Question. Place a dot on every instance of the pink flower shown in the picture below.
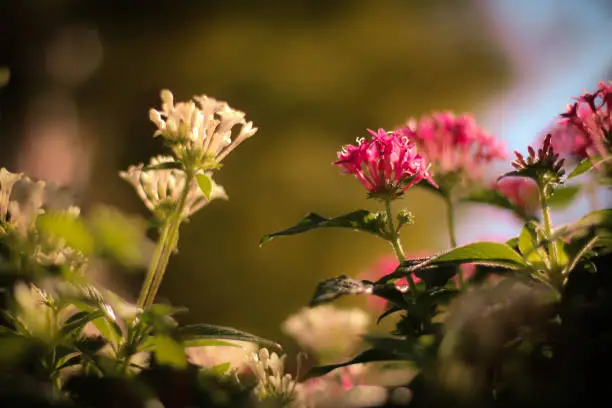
(591, 117)
(454, 145)
(520, 191)
(568, 140)
(386, 165)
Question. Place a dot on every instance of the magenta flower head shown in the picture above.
(456, 147)
(386, 165)
(591, 118)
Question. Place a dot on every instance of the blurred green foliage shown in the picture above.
(312, 76)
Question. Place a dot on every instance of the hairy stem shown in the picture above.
(394, 239)
(165, 247)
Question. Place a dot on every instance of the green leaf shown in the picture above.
(67, 227)
(210, 343)
(169, 351)
(109, 329)
(205, 183)
(388, 312)
(172, 165)
(360, 220)
(77, 321)
(562, 255)
(198, 332)
(106, 324)
(117, 235)
(218, 370)
(563, 196)
(368, 356)
(529, 245)
(68, 361)
(484, 253)
(584, 166)
(167, 310)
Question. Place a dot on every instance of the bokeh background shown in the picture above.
(312, 75)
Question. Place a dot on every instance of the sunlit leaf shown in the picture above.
(584, 166)
(198, 332)
(171, 165)
(360, 220)
(218, 370)
(68, 361)
(167, 310)
(117, 235)
(528, 245)
(205, 183)
(204, 342)
(109, 329)
(563, 196)
(169, 352)
(67, 227)
(485, 253)
(77, 321)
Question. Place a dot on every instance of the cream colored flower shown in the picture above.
(25, 209)
(160, 189)
(209, 356)
(329, 331)
(7, 181)
(200, 130)
(269, 369)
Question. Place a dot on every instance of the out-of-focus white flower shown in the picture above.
(7, 181)
(209, 356)
(269, 369)
(200, 130)
(160, 189)
(54, 251)
(329, 331)
(22, 199)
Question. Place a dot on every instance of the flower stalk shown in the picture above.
(450, 220)
(165, 247)
(552, 246)
(394, 239)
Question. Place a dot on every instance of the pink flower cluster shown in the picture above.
(590, 120)
(520, 191)
(454, 145)
(386, 165)
(568, 141)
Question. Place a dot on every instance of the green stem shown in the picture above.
(146, 286)
(394, 239)
(166, 245)
(450, 219)
(552, 246)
